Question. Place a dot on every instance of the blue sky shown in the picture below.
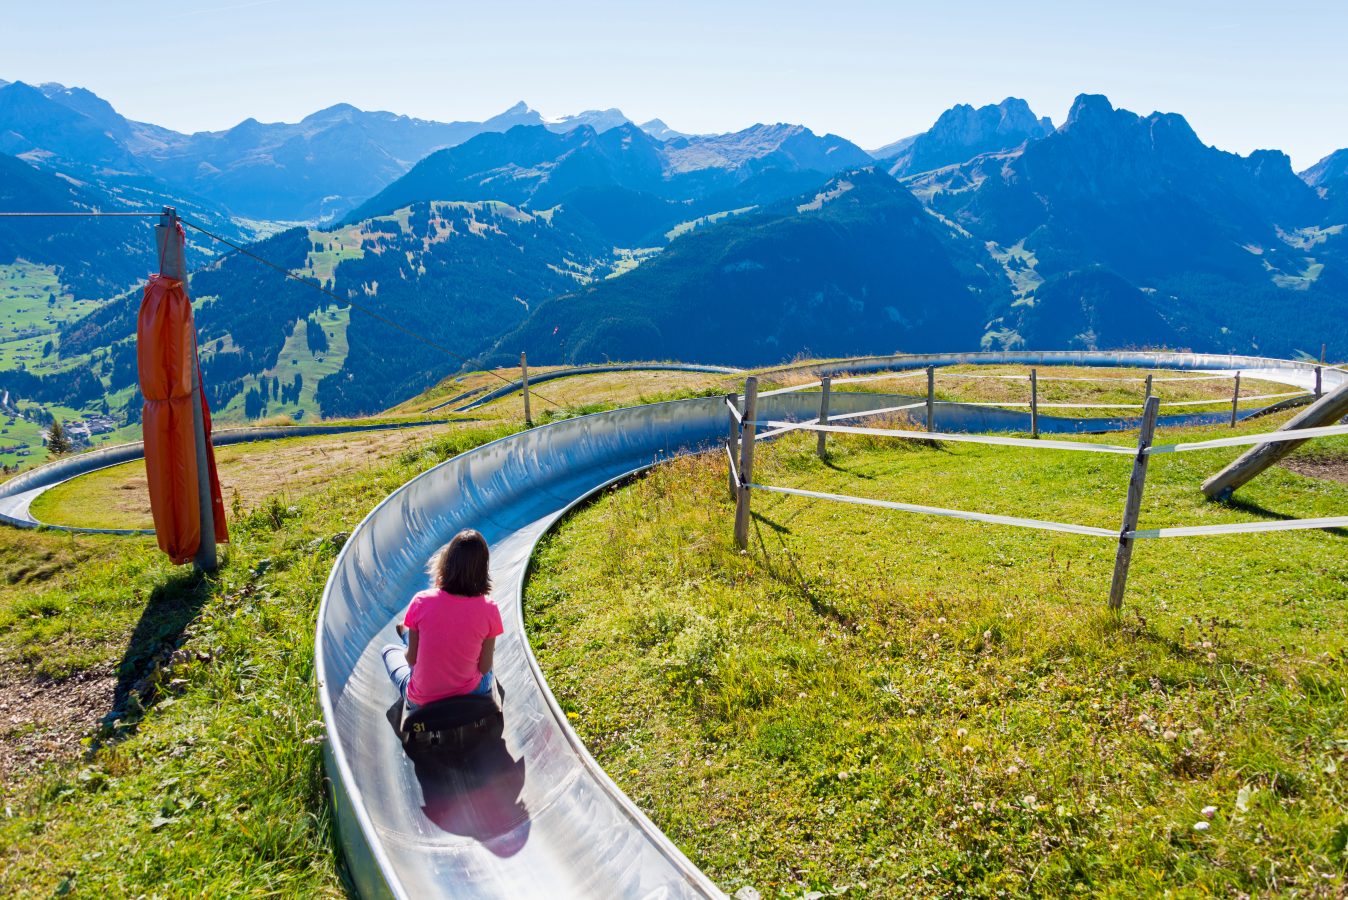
(1247, 75)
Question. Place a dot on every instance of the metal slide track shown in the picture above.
(17, 494)
(472, 400)
(532, 815)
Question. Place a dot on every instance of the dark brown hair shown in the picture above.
(462, 566)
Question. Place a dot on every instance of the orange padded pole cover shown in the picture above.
(166, 356)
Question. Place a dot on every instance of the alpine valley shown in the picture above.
(593, 238)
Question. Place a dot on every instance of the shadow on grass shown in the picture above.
(172, 606)
(829, 463)
(1263, 512)
(794, 578)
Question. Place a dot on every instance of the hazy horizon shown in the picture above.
(1246, 76)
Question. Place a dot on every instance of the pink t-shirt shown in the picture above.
(450, 631)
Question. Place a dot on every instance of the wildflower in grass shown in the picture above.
(1029, 800)
(1169, 735)
(1209, 811)
(1201, 826)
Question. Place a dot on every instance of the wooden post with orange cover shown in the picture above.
(179, 459)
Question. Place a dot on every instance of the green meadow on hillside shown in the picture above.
(33, 306)
(295, 359)
(881, 703)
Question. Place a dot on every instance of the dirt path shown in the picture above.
(42, 721)
(1326, 467)
(118, 497)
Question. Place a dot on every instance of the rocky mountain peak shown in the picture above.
(1094, 110)
(598, 119)
(658, 129)
(336, 112)
(1333, 168)
(963, 132)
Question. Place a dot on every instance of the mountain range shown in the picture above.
(1239, 253)
(644, 185)
(590, 237)
(855, 266)
(317, 168)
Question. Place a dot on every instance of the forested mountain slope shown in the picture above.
(859, 267)
(537, 167)
(456, 273)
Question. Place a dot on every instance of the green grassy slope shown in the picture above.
(882, 704)
(33, 306)
(296, 358)
(204, 778)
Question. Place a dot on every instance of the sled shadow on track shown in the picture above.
(474, 793)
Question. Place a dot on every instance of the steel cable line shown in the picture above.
(83, 214)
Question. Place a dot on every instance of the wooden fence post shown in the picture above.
(524, 377)
(931, 398)
(826, 383)
(733, 443)
(1319, 382)
(1148, 397)
(1235, 401)
(1034, 403)
(747, 430)
(1133, 504)
(1325, 411)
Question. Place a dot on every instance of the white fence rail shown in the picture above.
(744, 426)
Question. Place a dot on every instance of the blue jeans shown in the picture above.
(400, 673)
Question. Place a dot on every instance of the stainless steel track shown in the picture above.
(471, 400)
(17, 494)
